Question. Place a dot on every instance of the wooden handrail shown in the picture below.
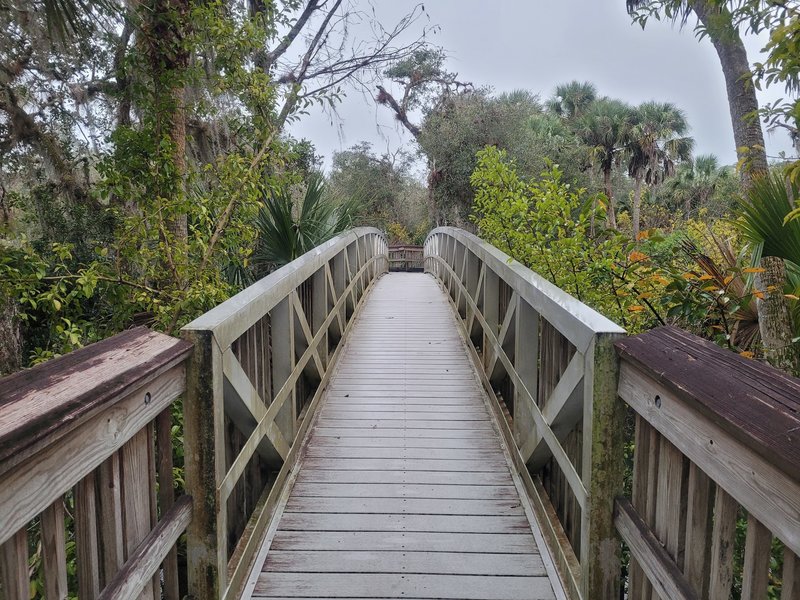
(261, 362)
(92, 427)
(549, 360)
(715, 433)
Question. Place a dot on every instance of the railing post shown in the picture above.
(603, 468)
(204, 462)
(339, 276)
(526, 364)
(283, 362)
(319, 311)
(491, 312)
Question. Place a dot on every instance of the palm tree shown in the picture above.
(287, 229)
(717, 23)
(656, 142)
(604, 127)
(570, 100)
(695, 181)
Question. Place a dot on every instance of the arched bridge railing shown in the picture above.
(260, 363)
(550, 361)
(712, 438)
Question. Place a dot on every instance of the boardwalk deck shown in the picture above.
(404, 489)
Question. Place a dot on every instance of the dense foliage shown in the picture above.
(144, 170)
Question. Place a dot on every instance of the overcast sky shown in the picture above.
(536, 44)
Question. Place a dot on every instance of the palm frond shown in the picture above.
(67, 19)
(762, 215)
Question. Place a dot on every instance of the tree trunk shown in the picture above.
(637, 205)
(10, 337)
(774, 319)
(166, 29)
(742, 101)
(611, 217)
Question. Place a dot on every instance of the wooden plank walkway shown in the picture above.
(404, 489)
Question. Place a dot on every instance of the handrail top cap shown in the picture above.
(522, 279)
(42, 403)
(281, 279)
(756, 403)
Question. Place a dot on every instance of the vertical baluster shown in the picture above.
(110, 513)
(136, 495)
(790, 576)
(755, 572)
(319, 312)
(86, 538)
(282, 319)
(636, 576)
(526, 364)
(723, 541)
(669, 494)
(490, 309)
(698, 530)
(54, 556)
(14, 566)
(152, 485)
(166, 496)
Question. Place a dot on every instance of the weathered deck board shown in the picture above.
(404, 489)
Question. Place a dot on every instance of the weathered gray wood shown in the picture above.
(166, 498)
(204, 438)
(14, 565)
(410, 477)
(698, 530)
(757, 549)
(400, 506)
(362, 585)
(651, 556)
(407, 541)
(669, 493)
(86, 543)
(428, 433)
(767, 492)
(283, 362)
(27, 491)
(485, 443)
(137, 572)
(54, 555)
(420, 563)
(38, 412)
(231, 319)
(110, 515)
(404, 490)
(790, 576)
(136, 498)
(460, 454)
(723, 540)
(410, 464)
(572, 318)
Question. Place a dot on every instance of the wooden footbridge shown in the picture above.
(338, 431)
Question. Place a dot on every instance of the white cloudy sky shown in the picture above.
(536, 44)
